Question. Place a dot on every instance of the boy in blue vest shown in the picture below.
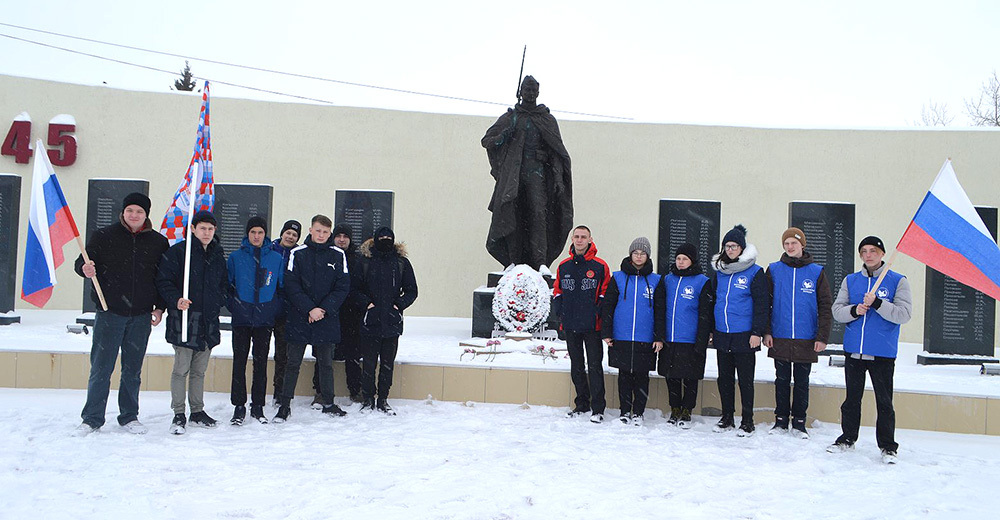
(800, 327)
(871, 340)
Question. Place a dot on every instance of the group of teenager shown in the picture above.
(325, 293)
(667, 323)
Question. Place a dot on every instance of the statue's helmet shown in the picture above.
(529, 80)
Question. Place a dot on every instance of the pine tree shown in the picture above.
(186, 82)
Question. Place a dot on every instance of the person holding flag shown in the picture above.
(124, 257)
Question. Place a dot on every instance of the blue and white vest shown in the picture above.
(683, 294)
(633, 319)
(871, 334)
(733, 300)
(794, 309)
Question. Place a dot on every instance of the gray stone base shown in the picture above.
(953, 359)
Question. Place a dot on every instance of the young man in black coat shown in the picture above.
(388, 287)
(124, 256)
(208, 288)
(316, 284)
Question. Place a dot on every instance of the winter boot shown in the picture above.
(257, 412)
(383, 406)
(725, 424)
(334, 411)
(368, 405)
(685, 420)
(282, 415)
(239, 414)
(202, 419)
(178, 425)
(746, 428)
(780, 425)
(799, 429)
(675, 415)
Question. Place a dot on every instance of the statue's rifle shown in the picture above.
(520, 75)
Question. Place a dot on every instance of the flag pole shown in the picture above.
(888, 265)
(97, 285)
(195, 182)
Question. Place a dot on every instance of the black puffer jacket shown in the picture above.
(208, 291)
(317, 276)
(126, 266)
(388, 282)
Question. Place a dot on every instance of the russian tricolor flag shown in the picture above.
(948, 235)
(50, 227)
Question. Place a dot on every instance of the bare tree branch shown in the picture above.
(985, 111)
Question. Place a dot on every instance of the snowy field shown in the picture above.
(436, 341)
(447, 460)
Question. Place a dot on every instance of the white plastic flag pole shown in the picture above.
(193, 192)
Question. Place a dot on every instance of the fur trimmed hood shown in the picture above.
(366, 248)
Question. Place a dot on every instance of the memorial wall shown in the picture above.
(439, 177)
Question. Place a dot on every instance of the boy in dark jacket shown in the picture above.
(283, 245)
(579, 286)
(255, 275)
(207, 290)
(124, 256)
(387, 287)
(349, 350)
(316, 284)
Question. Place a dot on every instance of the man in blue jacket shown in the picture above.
(255, 275)
(316, 284)
(871, 340)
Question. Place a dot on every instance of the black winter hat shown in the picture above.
(688, 250)
(384, 231)
(872, 240)
(257, 221)
(738, 234)
(204, 216)
(291, 224)
(138, 199)
(341, 229)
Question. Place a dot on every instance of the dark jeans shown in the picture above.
(324, 364)
(379, 352)
(587, 375)
(280, 355)
(633, 391)
(350, 349)
(242, 338)
(881, 371)
(784, 402)
(111, 333)
(683, 393)
(743, 364)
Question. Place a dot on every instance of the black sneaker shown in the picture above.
(177, 426)
(368, 405)
(282, 415)
(257, 412)
(780, 425)
(334, 410)
(239, 414)
(383, 406)
(746, 428)
(578, 411)
(202, 419)
(725, 424)
(799, 429)
(675, 415)
(625, 417)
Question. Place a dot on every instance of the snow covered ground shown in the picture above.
(436, 341)
(448, 460)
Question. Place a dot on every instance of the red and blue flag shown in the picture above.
(949, 236)
(176, 220)
(50, 227)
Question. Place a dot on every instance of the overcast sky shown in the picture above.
(798, 64)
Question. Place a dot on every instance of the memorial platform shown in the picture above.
(40, 353)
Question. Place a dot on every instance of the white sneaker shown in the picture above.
(636, 420)
(684, 425)
(839, 447)
(889, 457)
(597, 418)
(135, 427)
(84, 430)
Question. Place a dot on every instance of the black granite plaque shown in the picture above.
(959, 320)
(104, 207)
(364, 211)
(829, 229)
(234, 205)
(10, 209)
(694, 221)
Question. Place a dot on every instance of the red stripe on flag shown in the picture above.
(921, 246)
(60, 233)
(38, 298)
